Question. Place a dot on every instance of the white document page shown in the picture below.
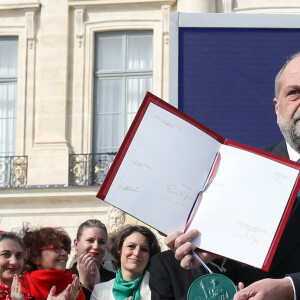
(241, 209)
(163, 170)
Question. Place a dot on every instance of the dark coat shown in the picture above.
(168, 280)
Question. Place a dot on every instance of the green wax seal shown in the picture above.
(212, 287)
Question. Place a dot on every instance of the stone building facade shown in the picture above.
(60, 63)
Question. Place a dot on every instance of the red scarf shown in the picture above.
(5, 293)
(38, 283)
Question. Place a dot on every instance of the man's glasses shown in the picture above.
(57, 249)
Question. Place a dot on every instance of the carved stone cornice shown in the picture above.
(266, 5)
(85, 3)
(18, 4)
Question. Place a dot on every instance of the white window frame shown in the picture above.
(91, 30)
(10, 80)
(124, 74)
(20, 23)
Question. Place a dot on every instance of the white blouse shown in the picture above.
(103, 290)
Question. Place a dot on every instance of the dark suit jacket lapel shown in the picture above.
(291, 234)
(280, 149)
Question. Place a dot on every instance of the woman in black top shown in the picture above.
(90, 244)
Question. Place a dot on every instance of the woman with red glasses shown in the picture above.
(46, 252)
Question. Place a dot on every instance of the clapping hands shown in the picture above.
(16, 289)
(69, 293)
(88, 271)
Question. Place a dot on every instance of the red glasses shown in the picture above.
(57, 249)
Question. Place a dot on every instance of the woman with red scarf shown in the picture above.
(46, 253)
(11, 266)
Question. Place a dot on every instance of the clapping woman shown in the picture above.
(46, 253)
(131, 250)
(11, 266)
(91, 244)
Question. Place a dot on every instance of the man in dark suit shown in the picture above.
(169, 281)
(282, 282)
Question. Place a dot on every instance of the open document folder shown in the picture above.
(172, 172)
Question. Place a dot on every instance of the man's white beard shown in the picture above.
(290, 130)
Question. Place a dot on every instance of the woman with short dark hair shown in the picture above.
(131, 250)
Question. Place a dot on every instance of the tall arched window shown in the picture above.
(123, 75)
(8, 94)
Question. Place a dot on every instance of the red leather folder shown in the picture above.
(166, 205)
